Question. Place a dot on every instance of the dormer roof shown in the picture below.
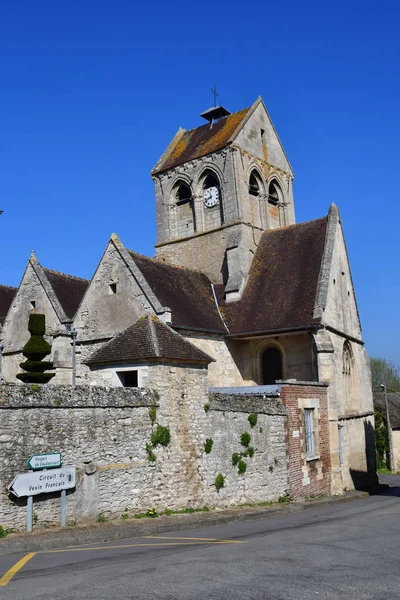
(148, 339)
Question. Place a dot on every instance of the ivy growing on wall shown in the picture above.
(160, 436)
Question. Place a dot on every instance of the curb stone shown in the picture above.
(20, 543)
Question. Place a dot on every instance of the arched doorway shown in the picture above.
(271, 366)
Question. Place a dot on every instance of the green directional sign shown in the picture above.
(44, 461)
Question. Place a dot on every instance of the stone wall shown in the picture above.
(357, 443)
(396, 449)
(104, 431)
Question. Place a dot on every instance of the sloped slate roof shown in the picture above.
(68, 289)
(6, 297)
(186, 292)
(281, 289)
(151, 339)
(201, 141)
(394, 407)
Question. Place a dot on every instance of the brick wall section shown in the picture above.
(307, 477)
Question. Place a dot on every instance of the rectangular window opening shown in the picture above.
(263, 136)
(113, 288)
(309, 432)
(128, 378)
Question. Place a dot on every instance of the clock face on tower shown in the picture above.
(211, 196)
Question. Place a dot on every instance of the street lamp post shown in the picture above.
(389, 429)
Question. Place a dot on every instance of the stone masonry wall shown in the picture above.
(104, 431)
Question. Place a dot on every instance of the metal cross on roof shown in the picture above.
(214, 91)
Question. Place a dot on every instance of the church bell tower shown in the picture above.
(218, 187)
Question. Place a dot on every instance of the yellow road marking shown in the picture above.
(134, 546)
(171, 537)
(11, 572)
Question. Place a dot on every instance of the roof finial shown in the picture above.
(215, 93)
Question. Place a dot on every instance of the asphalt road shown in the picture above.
(349, 550)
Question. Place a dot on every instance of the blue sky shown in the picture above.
(92, 92)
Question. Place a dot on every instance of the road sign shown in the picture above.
(44, 461)
(43, 482)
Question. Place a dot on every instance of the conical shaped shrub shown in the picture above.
(35, 350)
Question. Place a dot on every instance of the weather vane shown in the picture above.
(215, 93)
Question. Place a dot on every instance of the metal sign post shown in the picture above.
(29, 513)
(63, 508)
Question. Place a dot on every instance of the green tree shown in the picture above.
(35, 350)
(387, 372)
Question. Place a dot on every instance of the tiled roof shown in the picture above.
(201, 141)
(68, 289)
(148, 339)
(6, 297)
(186, 292)
(281, 289)
(394, 407)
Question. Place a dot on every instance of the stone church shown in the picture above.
(236, 288)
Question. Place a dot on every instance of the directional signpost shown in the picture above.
(44, 461)
(44, 481)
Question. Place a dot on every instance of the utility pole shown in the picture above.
(389, 429)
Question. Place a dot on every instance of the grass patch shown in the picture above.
(242, 467)
(160, 436)
(153, 414)
(252, 419)
(219, 481)
(208, 444)
(245, 439)
(101, 518)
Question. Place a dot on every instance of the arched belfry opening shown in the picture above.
(185, 218)
(212, 200)
(276, 205)
(256, 193)
(271, 366)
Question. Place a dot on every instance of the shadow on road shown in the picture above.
(368, 481)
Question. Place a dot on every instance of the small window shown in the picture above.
(262, 131)
(33, 304)
(128, 378)
(309, 432)
(113, 288)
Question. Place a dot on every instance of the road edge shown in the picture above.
(53, 538)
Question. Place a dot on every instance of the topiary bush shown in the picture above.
(35, 350)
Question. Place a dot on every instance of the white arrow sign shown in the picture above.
(43, 482)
